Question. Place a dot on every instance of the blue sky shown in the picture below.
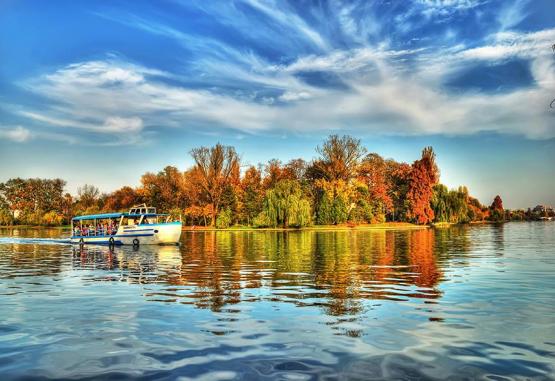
(100, 92)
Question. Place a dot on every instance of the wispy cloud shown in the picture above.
(290, 19)
(16, 134)
(386, 87)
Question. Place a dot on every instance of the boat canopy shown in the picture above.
(98, 216)
(115, 215)
(143, 214)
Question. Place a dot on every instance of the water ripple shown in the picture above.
(459, 303)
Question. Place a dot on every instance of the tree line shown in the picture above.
(344, 184)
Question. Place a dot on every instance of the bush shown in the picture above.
(6, 217)
(362, 212)
(224, 219)
(52, 218)
(175, 214)
(340, 210)
(34, 218)
(261, 221)
(325, 212)
(497, 215)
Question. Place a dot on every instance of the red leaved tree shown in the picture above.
(424, 175)
(497, 203)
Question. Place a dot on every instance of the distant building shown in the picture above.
(542, 209)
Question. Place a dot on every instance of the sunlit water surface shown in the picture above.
(459, 303)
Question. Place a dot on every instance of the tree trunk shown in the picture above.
(214, 215)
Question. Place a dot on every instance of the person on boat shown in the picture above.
(76, 230)
(113, 227)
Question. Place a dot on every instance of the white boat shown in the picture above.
(141, 226)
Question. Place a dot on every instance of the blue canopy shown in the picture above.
(143, 214)
(98, 216)
(115, 215)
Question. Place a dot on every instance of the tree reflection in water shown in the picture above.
(338, 271)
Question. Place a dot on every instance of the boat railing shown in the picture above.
(93, 232)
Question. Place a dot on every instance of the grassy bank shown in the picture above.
(342, 227)
(34, 227)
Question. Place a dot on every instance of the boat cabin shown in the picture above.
(108, 224)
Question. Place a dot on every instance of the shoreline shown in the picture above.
(342, 227)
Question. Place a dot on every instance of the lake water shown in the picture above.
(460, 303)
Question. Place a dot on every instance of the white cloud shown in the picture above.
(17, 134)
(384, 90)
(123, 125)
(448, 7)
(277, 12)
(512, 44)
(289, 96)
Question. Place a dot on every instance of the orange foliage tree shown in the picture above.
(424, 175)
(215, 166)
(121, 199)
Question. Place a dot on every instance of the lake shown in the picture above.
(470, 302)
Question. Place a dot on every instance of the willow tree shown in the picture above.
(284, 205)
(215, 166)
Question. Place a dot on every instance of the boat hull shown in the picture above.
(147, 234)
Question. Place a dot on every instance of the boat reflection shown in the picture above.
(337, 271)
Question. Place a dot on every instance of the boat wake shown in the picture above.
(34, 241)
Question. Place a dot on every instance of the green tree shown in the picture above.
(325, 214)
(253, 195)
(284, 205)
(224, 219)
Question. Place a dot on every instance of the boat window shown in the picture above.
(151, 210)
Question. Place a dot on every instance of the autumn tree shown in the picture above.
(497, 203)
(197, 209)
(398, 175)
(424, 175)
(295, 169)
(374, 173)
(29, 199)
(215, 166)
(88, 196)
(163, 190)
(339, 157)
(497, 213)
(121, 199)
(273, 173)
(67, 207)
(334, 199)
